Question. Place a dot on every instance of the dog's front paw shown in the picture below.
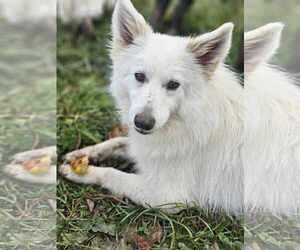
(19, 172)
(79, 166)
(73, 155)
(65, 170)
(93, 175)
(15, 171)
(68, 172)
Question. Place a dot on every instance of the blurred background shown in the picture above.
(27, 119)
(267, 231)
(260, 12)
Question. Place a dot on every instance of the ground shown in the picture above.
(89, 217)
(27, 121)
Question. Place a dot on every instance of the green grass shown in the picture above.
(114, 222)
(88, 216)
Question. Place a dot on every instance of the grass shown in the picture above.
(27, 121)
(90, 217)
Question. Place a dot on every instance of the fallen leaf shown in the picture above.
(255, 246)
(52, 204)
(215, 246)
(80, 165)
(141, 243)
(38, 166)
(117, 131)
(182, 246)
(90, 204)
(102, 227)
(157, 234)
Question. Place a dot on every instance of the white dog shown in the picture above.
(184, 112)
(271, 150)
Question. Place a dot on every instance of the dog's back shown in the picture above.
(271, 151)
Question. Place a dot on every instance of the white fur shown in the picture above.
(213, 143)
(192, 155)
(271, 151)
(16, 169)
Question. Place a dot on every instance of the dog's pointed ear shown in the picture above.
(127, 24)
(261, 44)
(212, 48)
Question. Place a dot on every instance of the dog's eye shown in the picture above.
(140, 77)
(172, 85)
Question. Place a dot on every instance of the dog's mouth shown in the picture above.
(143, 132)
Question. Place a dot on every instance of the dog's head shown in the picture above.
(260, 45)
(154, 74)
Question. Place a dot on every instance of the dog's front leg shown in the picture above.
(116, 147)
(18, 172)
(36, 166)
(118, 182)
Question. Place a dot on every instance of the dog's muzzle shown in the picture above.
(144, 122)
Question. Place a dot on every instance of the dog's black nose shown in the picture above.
(144, 122)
